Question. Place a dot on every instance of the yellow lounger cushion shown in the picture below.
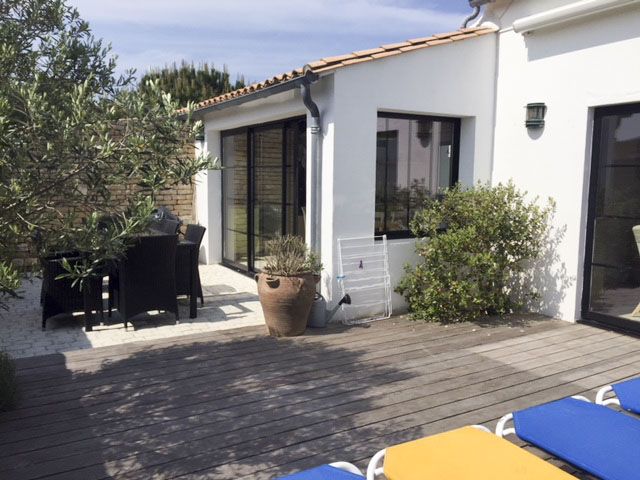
(465, 454)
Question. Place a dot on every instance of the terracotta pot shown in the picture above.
(286, 302)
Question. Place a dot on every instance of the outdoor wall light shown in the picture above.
(535, 115)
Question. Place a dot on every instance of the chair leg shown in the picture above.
(44, 321)
(201, 295)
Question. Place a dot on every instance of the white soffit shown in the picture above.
(568, 13)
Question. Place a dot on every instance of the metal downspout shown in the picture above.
(473, 16)
(477, 8)
(316, 166)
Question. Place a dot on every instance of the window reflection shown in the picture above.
(415, 158)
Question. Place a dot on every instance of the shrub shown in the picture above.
(8, 386)
(289, 256)
(475, 245)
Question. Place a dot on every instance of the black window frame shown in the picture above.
(586, 314)
(249, 131)
(455, 162)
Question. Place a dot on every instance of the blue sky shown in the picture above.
(259, 38)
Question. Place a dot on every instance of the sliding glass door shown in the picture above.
(612, 265)
(267, 193)
(235, 184)
(264, 178)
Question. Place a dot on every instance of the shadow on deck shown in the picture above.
(237, 404)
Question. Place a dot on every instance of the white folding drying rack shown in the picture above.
(364, 277)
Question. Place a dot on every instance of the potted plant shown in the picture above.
(286, 285)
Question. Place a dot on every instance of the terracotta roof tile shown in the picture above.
(386, 54)
(317, 64)
(363, 53)
(485, 30)
(421, 40)
(395, 46)
(356, 60)
(411, 47)
(442, 41)
(333, 63)
(446, 35)
(338, 58)
(329, 68)
(463, 36)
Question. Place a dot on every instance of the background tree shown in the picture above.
(70, 130)
(190, 83)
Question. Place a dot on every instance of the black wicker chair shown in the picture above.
(185, 263)
(146, 278)
(59, 295)
(168, 226)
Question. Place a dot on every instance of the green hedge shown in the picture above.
(475, 244)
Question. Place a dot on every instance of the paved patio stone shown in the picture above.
(231, 301)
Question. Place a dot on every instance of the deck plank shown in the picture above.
(237, 404)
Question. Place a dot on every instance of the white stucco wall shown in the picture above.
(486, 82)
(449, 80)
(572, 68)
(454, 80)
(432, 81)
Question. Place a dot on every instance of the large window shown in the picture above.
(417, 156)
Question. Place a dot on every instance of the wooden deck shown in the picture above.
(237, 404)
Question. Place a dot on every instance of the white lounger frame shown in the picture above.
(600, 397)
(347, 467)
(501, 429)
(376, 464)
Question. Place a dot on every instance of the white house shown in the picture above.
(345, 146)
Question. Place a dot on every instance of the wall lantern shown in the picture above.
(535, 115)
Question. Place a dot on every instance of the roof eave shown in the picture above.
(307, 78)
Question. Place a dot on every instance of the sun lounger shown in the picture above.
(333, 471)
(626, 395)
(468, 453)
(594, 438)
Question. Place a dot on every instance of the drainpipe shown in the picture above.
(477, 7)
(316, 164)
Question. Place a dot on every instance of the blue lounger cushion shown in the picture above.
(596, 439)
(629, 394)
(323, 472)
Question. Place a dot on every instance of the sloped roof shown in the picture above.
(333, 63)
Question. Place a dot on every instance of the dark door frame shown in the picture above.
(250, 167)
(586, 315)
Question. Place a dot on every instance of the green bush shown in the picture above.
(8, 386)
(475, 245)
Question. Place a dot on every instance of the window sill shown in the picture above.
(397, 235)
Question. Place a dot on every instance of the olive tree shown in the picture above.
(71, 130)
